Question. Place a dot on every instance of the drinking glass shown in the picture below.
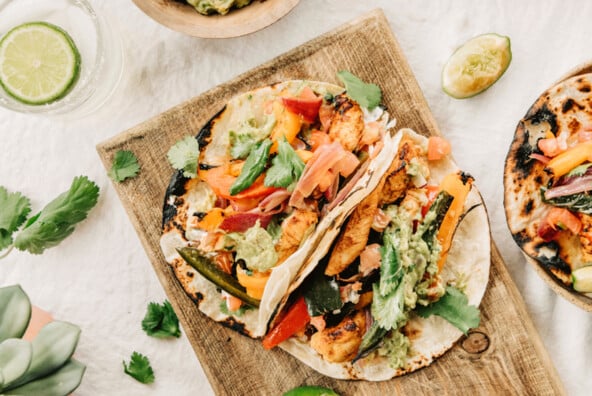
(100, 48)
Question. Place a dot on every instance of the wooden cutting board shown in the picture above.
(504, 355)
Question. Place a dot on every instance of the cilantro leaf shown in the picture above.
(125, 164)
(286, 167)
(367, 95)
(241, 144)
(161, 321)
(454, 307)
(252, 168)
(57, 220)
(14, 208)
(184, 156)
(139, 368)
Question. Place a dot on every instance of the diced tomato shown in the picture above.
(326, 112)
(564, 219)
(546, 231)
(295, 320)
(233, 303)
(240, 222)
(306, 105)
(371, 134)
(549, 146)
(432, 193)
(438, 148)
(318, 138)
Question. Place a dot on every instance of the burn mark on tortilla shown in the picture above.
(569, 104)
(528, 207)
(204, 136)
(233, 324)
(553, 262)
(584, 88)
(521, 238)
(523, 163)
(197, 298)
(543, 114)
(190, 274)
(176, 188)
(574, 126)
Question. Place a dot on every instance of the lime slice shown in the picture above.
(582, 279)
(39, 63)
(476, 65)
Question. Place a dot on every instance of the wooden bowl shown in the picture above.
(183, 18)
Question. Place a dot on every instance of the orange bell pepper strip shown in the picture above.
(569, 159)
(458, 185)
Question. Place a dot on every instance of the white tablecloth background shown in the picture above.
(101, 279)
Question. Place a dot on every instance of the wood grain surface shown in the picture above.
(504, 355)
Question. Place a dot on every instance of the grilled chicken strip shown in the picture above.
(585, 236)
(353, 238)
(295, 228)
(341, 343)
(347, 124)
(397, 180)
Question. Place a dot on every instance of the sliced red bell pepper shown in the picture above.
(241, 222)
(295, 320)
(307, 104)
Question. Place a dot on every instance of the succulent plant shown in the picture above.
(42, 366)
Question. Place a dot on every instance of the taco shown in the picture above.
(276, 167)
(548, 179)
(403, 278)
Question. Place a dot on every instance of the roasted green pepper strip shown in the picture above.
(435, 216)
(253, 167)
(214, 274)
(371, 340)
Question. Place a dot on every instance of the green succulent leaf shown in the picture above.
(15, 358)
(52, 347)
(15, 312)
(59, 383)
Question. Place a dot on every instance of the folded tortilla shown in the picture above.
(187, 200)
(467, 267)
(563, 110)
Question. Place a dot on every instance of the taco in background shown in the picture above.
(401, 282)
(276, 167)
(548, 180)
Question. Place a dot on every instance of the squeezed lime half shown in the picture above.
(476, 65)
(582, 279)
(39, 63)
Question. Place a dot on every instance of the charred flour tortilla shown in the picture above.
(265, 231)
(333, 346)
(562, 113)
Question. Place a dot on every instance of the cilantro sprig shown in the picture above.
(125, 165)
(286, 167)
(54, 223)
(14, 208)
(183, 155)
(139, 368)
(367, 95)
(454, 307)
(161, 321)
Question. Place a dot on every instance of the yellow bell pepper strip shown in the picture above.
(254, 283)
(458, 185)
(288, 124)
(569, 159)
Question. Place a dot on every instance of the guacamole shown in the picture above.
(209, 7)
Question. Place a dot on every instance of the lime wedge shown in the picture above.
(476, 65)
(39, 63)
(582, 279)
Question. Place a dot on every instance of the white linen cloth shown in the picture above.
(100, 278)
